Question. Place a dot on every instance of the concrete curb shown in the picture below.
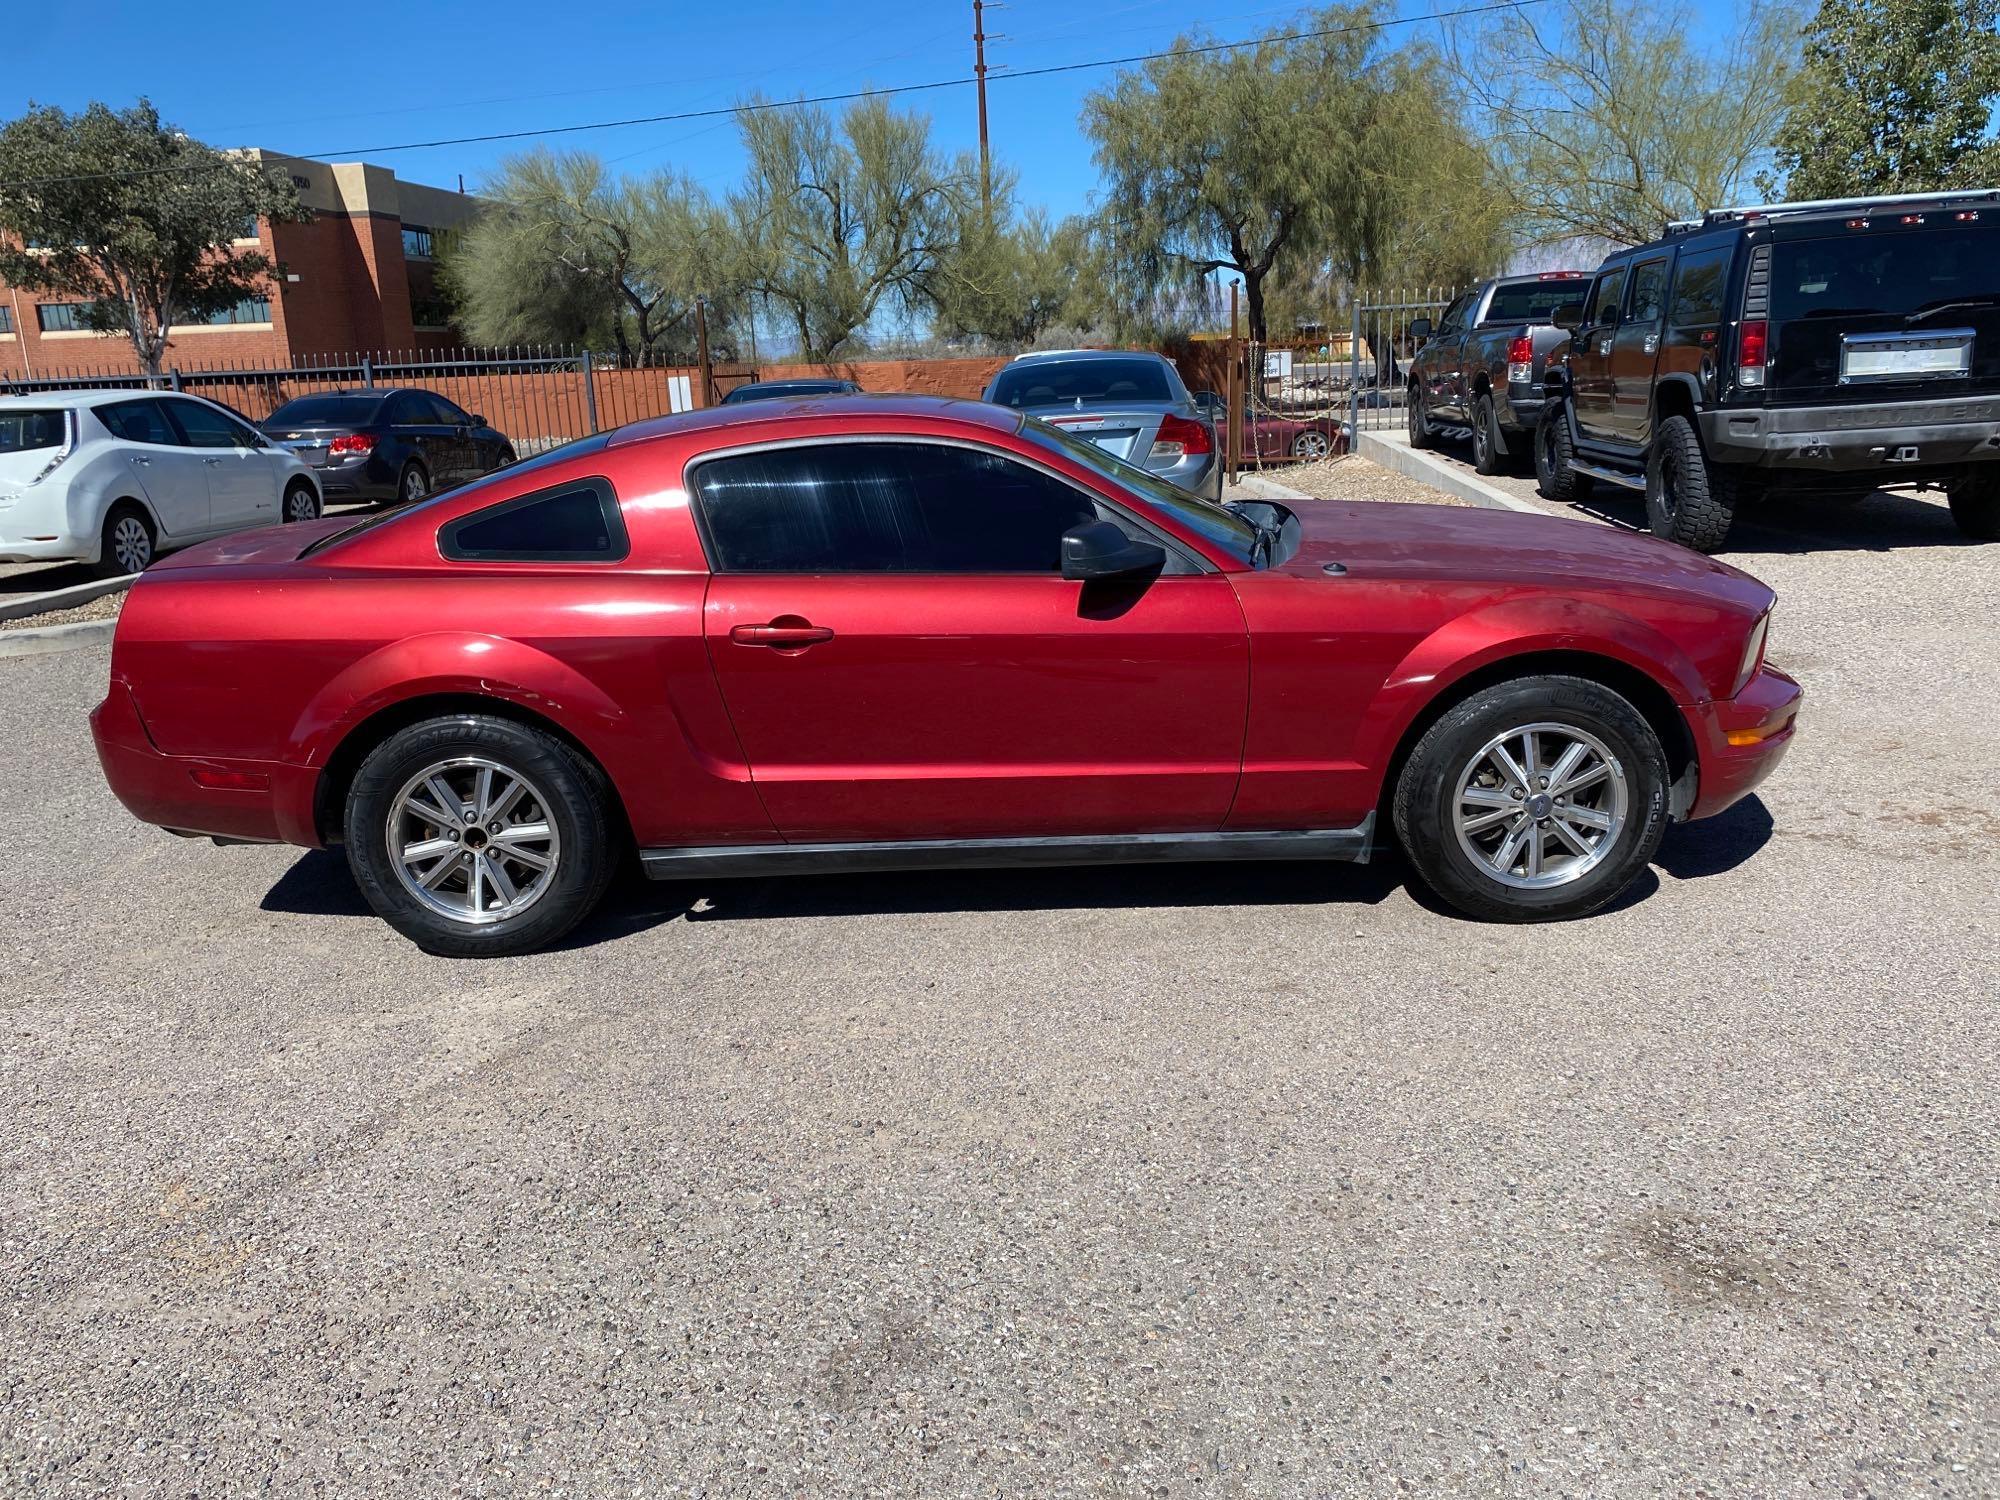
(1267, 489)
(1396, 453)
(77, 593)
(49, 639)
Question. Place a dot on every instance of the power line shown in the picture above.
(759, 106)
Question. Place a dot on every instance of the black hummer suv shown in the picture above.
(1820, 349)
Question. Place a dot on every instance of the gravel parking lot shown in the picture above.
(1238, 1181)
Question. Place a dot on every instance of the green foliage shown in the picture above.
(1606, 123)
(1894, 97)
(568, 253)
(1012, 283)
(1299, 157)
(837, 221)
(132, 218)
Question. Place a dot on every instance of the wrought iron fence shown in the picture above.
(539, 397)
(1379, 348)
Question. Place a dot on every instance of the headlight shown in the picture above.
(1753, 651)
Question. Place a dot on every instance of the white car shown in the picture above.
(114, 478)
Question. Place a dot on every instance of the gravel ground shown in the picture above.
(1241, 1181)
(103, 608)
(1349, 477)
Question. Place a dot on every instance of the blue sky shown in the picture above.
(346, 79)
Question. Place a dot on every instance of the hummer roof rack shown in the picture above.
(1830, 205)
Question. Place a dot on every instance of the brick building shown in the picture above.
(358, 276)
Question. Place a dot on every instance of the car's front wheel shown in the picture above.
(1534, 800)
(1419, 420)
(476, 836)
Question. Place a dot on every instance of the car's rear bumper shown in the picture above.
(1893, 437)
(1741, 740)
(20, 549)
(261, 801)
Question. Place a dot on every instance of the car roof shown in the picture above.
(830, 382)
(96, 397)
(948, 409)
(1042, 354)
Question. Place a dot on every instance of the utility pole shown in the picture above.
(979, 73)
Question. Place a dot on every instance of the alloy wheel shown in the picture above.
(473, 840)
(131, 544)
(415, 485)
(1540, 805)
(1310, 446)
(299, 506)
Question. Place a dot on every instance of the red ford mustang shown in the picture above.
(894, 633)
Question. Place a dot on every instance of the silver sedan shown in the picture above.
(1131, 403)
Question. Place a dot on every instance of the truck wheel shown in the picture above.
(1686, 500)
(1975, 506)
(1534, 800)
(1486, 452)
(1420, 425)
(1554, 478)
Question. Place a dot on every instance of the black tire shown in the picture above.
(122, 547)
(1555, 479)
(413, 483)
(1487, 454)
(1975, 506)
(1420, 423)
(574, 798)
(1426, 794)
(302, 502)
(1687, 500)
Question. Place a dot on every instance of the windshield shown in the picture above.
(1224, 528)
(1054, 382)
(1533, 301)
(41, 427)
(325, 411)
(1895, 274)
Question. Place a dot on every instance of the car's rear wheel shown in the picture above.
(1534, 800)
(414, 483)
(1975, 506)
(1311, 445)
(475, 836)
(1486, 455)
(301, 502)
(1555, 479)
(1420, 423)
(128, 542)
(1687, 501)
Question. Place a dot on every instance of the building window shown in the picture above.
(62, 317)
(247, 230)
(249, 310)
(6, 320)
(417, 242)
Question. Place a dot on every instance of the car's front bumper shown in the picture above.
(1740, 740)
(1894, 437)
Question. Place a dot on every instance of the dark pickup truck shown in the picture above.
(1482, 366)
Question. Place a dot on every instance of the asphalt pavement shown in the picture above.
(1231, 1181)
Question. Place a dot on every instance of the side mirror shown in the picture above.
(1211, 402)
(477, 420)
(1568, 315)
(1420, 328)
(1097, 549)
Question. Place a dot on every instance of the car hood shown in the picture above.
(1444, 543)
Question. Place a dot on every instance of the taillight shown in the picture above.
(1181, 437)
(1521, 358)
(1752, 344)
(353, 442)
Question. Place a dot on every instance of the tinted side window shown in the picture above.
(1604, 297)
(575, 522)
(1649, 292)
(885, 508)
(1698, 280)
(448, 414)
(408, 410)
(1453, 317)
(138, 422)
(205, 427)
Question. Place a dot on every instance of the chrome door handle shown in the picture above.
(1652, 343)
(136, 458)
(1604, 346)
(212, 462)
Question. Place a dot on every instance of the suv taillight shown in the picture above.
(1752, 344)
(353, 442)
(1521, 359)
(1180, 437)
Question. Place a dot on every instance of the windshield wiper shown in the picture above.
(1989, 299)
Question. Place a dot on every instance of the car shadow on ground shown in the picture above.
(1886, 521)
(318, 884)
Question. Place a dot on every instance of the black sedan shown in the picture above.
(393, 444)
(789, 390)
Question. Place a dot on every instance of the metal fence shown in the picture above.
(539, 397)
(1379, 349)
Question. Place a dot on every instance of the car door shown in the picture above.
(1635, 349)
(1448, 373)
(242, 482)
(455, 438)
(903, 659)
(414, 421)
(170, 475)
(1590, 354)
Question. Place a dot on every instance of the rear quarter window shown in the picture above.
(574, 522)
(23, 431)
